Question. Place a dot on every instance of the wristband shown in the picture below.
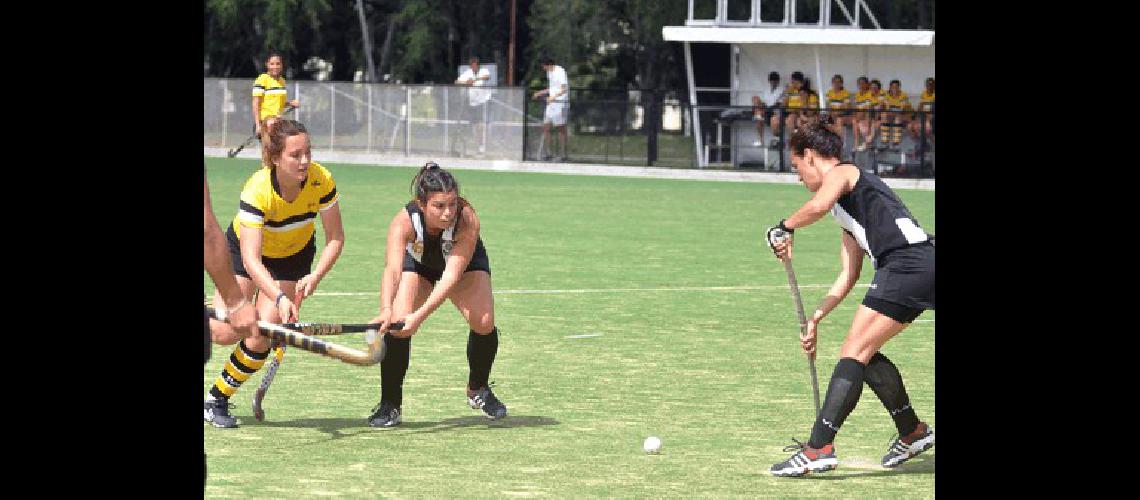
(279, 297)
(785, 228)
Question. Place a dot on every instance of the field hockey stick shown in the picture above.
(803, 327)
(249, 140)
(278, 357)
(374, 355)
(319, 329)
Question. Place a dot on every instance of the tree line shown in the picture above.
(603, 44)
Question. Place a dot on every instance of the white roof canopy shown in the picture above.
(802, 36)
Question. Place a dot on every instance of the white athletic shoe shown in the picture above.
(806, 460)
(906, 447)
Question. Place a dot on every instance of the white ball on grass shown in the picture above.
(652, 444)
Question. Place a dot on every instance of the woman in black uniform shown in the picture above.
(434, 253)
(875, 222)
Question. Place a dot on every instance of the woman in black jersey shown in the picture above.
(874, 222)
(434, 253)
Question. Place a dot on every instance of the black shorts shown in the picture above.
(903, 286)
(291, 268)
(479, 262)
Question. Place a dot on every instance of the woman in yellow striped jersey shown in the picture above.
(926, 105)
(272, 243)
(270, 97)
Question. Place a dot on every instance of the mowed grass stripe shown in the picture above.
(717, 375)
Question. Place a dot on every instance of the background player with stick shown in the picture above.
(874, 222)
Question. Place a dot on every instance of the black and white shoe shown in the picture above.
(385, 414)
(485, 400)
(217, 413)
(906, 447)
(806, 460)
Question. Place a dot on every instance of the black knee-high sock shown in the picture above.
(393, 368)
(842, 395)
(481, 351)
(884, 378)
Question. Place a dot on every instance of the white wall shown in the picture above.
(910, 65)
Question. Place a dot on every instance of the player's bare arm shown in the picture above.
(836, 183)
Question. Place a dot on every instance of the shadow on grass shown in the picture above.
(340, 428)
(922, 464)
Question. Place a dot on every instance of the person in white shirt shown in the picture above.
(474, 76)
(763, 105)
(557, 102)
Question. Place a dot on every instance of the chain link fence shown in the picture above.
(496, 123)
(438, 120)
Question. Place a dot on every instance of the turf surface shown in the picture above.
(628, 307)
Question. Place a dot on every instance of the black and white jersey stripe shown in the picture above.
(875, 216)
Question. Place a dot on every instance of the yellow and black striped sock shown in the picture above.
(884, 133)
(896, 137)
(242, 364)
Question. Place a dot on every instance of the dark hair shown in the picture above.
(797, 76)
(894, 82)
(877, 82)
(861, 79)
(273, 138)
(276, 54)
(546, 60)
(473, 56)
(930, 79)
(773, 76)
(840, 77)
(816, 134)
(433, 179)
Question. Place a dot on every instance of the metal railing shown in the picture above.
(901, 145)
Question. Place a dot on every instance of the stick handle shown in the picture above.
(339, 328)
(794, 285)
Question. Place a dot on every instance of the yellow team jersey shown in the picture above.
(864, 100)
(838, 100)
(285, 227)
(926, 102)
(896, 103)
(795, 100)
(813, 101)
(272, 93)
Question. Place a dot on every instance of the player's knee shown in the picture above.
(483, 324)
(222, 333)
(257, 343)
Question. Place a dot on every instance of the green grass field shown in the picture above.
(694, 340)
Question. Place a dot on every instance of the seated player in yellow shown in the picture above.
(272, 243)
(863, 100)
(790, 104)
(897, 106)
(434, 253)
(926, 105)
(838, 105)
(270, 97)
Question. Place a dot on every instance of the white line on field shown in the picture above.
(612, 290)
(583, 336)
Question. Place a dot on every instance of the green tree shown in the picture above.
(240, 33)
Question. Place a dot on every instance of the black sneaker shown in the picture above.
(385, 414)
(906, 447)
(806, 460)
(217, 413)
(486, 401)
(548, 158)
